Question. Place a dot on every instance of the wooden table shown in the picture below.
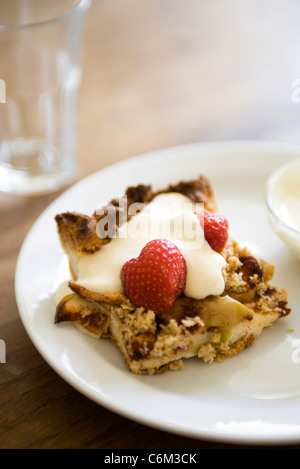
(156, 73)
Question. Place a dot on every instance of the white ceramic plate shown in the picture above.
(253, 397)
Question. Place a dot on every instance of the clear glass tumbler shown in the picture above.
(39, 77)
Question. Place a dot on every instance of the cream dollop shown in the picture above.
(168, 216)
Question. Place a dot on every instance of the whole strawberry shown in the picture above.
(215, 228)
(155, 278)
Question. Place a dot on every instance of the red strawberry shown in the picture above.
(155, 278)
(215, 228)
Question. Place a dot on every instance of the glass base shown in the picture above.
(32, 167)
(21, 183)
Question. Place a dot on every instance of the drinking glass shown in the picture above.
(39, 78)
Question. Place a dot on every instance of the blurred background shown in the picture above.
(155, 73)
(159, 73)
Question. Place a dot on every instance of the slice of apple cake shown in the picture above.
(159, 275)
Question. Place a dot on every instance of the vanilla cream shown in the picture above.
(170, 216)
(283, 197)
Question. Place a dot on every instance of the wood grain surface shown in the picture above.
(156, 73)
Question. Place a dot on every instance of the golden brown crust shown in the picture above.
(141, 193)
(78, 237)
(236, 348)
(106, 298)
(91, 316)
(198, 190)
(77, 232)
(80, 230)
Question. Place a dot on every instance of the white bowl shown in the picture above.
(283, 203)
